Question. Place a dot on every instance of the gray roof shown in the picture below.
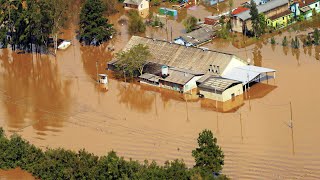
(188, 58)
(178, 77)
(135, 2)
(199, 36)
(263, 8)
(219, 84)
(150, 77)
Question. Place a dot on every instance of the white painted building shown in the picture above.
(136, 4)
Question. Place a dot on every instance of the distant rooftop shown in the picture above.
(135, 2)
(263, 8)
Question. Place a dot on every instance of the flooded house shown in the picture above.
(142, 6)
(204, 34)
(304, 7)
(212, 2)
(280, 20)
(242, 21)
(219, 88)
(218, 75)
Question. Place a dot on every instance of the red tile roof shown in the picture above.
(239, 10)
(303, 3)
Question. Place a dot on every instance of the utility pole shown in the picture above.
(215, 91)
(171, 33)
(97, 71)
(291, 126)
(241, 128)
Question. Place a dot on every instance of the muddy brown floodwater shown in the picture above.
(55, 102)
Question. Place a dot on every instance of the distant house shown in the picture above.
(280, 20)
(239, 10)
(198, 37)
(136, 4)
(212, 2)
(304, 7)
(182, 69)
(260, 2)
(211, 20)
(242, 21)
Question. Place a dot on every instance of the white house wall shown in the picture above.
(144, 5)
(191, 84)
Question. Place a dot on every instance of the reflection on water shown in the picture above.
(225, 107)
(134, 97)
(257, 57)
(33, 91)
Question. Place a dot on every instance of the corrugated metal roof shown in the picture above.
(150, 77)
(178, 77)
(263, 8)
(199, 36)
(218, 83)
(246, 74)
(187, 58)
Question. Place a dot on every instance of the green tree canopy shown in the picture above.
(133, 60)
(94, 28)
(190, 23)
(136, 24)
(208, 156)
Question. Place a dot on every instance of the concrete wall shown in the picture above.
(191, 84)
(226, 95)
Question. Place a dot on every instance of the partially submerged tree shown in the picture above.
(208, 156)
(285, 41)
(273, 41)
(59, 9)
(136, 24)
(190, 23)
(94, 27)
(133, 60)
(316, 36)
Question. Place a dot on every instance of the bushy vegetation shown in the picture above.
(285, 41)
(94, 28)
(273, 41)
(136, 24)
(190, 23)
(295, 43)
(65, 164)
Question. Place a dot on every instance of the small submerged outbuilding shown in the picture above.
(219, 88)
